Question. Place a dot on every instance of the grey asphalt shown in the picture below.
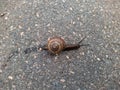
(28, 23)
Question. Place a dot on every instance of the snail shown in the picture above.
(56, 44)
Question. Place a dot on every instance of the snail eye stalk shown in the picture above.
(81, 40)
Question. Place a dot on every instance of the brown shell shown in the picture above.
(56, 45)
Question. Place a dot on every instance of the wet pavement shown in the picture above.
(29, 23)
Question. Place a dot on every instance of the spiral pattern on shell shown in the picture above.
(56, 45)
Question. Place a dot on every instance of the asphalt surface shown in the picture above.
(28, 23)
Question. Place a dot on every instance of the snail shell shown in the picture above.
(56, 45)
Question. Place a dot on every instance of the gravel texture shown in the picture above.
(28, 23)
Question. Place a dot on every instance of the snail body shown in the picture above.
(56, 44)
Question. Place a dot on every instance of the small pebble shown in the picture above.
(48, 24)
(2, 14)
(64, 1)
(98, 59)
(64, 86)
(82, 53)
(67, 57)
(10, 77)
(73, 22)
(37, 14)
(74, 33)
(20, 26)
(56, 57)
(0, 71)
(22, 33)
(26, 61)
(36, 25)
(6, 18)
(72, 72)
(40, 49)
(71, 8)
(62, 80)
(106, 56)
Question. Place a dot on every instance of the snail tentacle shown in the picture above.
(81, 40)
